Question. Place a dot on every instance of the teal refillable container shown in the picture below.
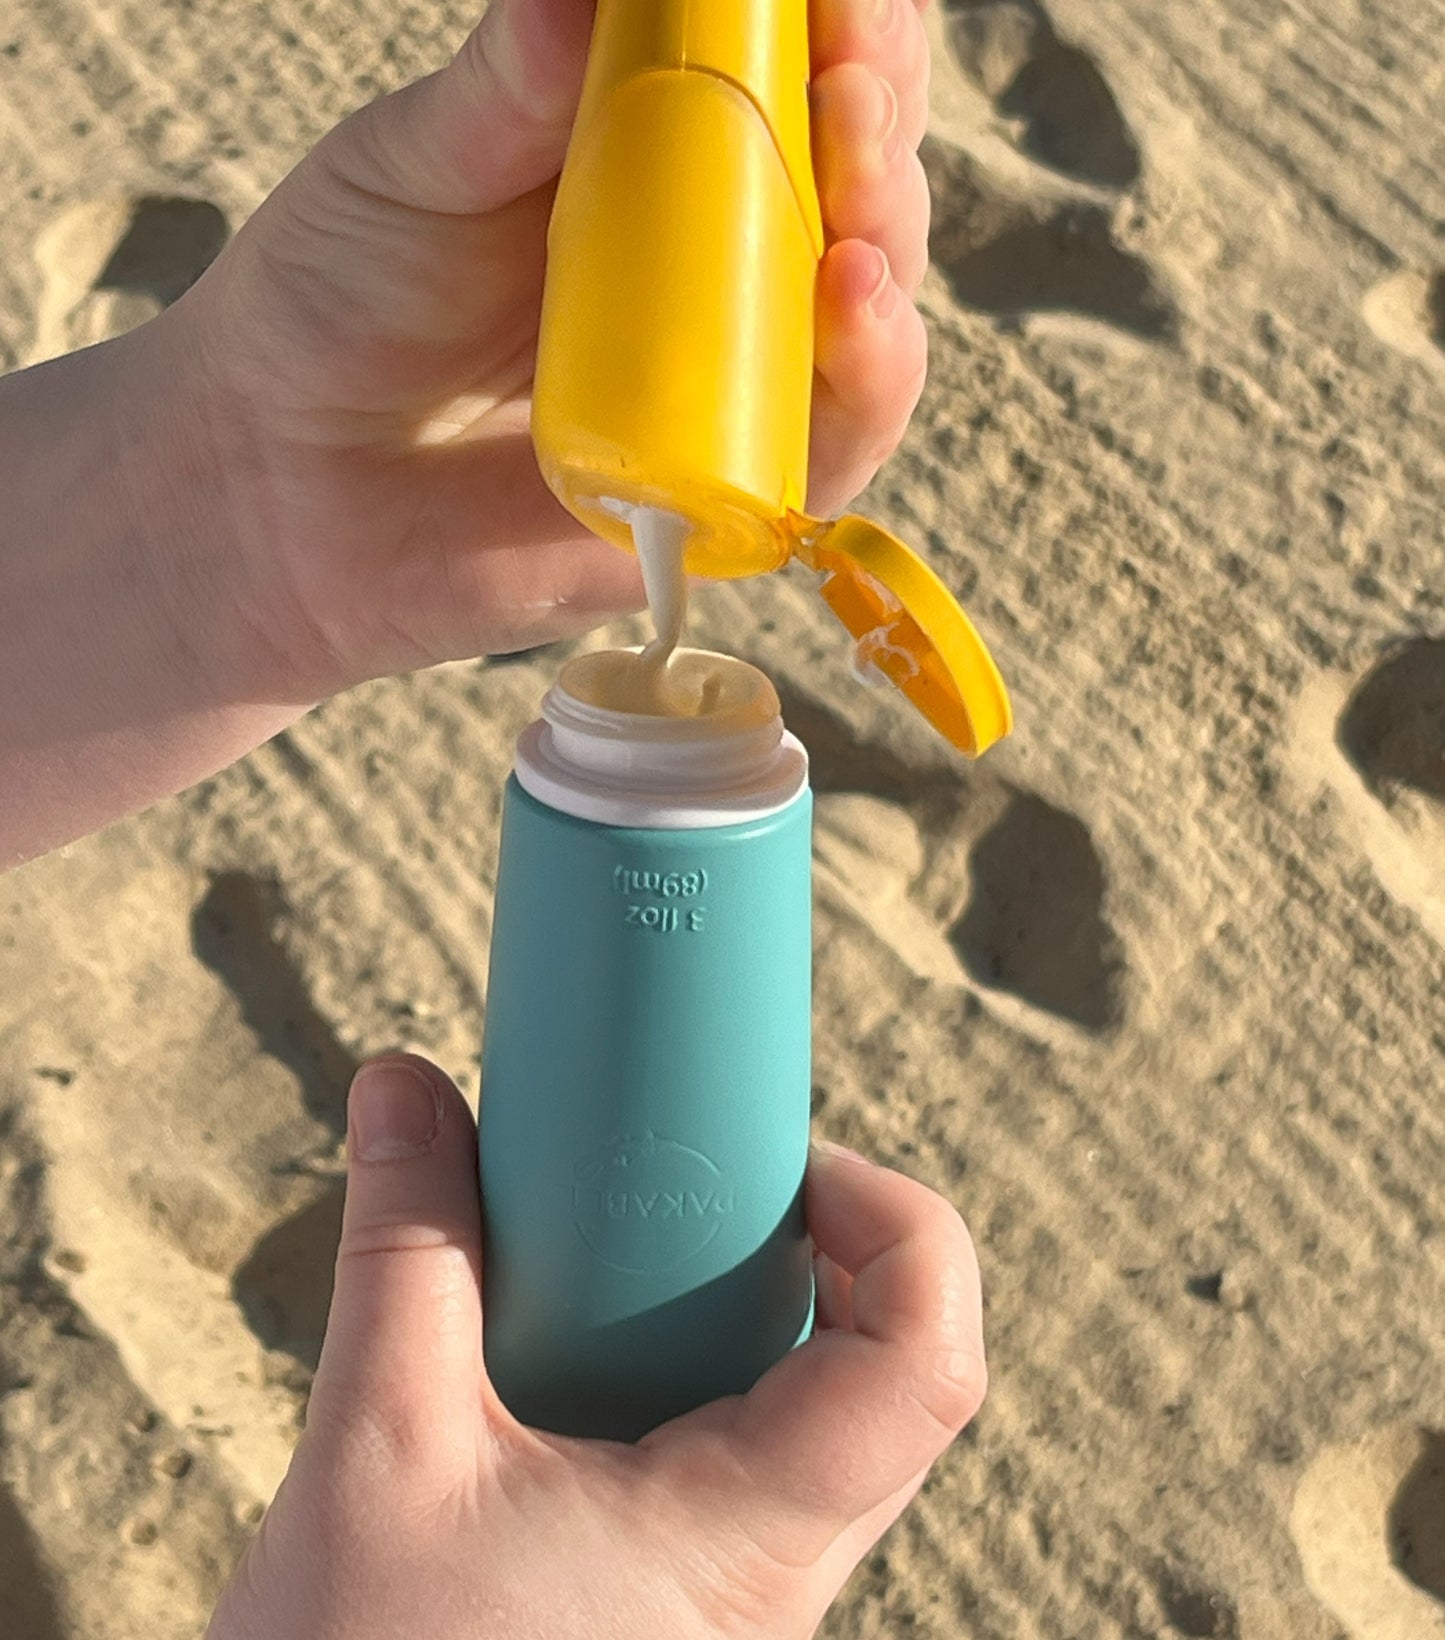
(646, 1067)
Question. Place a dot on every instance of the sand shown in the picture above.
(1154, 993)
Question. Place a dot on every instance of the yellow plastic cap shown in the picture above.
(910, 628)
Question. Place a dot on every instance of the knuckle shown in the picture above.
(928, 1223)
(950, 1388)
(475, 62)
(354, 159)
(367, 1447)
(440, 1246)
(942, 1224)
(361, 1242)
(398, 1435)
(962, 1377)
(493, 76)
(949, 1374)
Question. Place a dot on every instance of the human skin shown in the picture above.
(315, 468)
(312, 470)
(416, 1504)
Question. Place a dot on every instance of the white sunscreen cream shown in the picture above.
(647, 683)
(661, 542)
(603, 753)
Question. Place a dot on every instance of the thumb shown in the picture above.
(490, 127)
(403, 1350)
(833, 1441)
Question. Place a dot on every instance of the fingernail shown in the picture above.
(881, 14)
(841, 1152)
(395, 1112)
(888, 130)
(883, 297)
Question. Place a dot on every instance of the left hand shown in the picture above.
(417, 1505)
(362, 353)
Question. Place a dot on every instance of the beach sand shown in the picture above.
(1153, 993)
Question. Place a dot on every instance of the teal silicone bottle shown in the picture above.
(646, 1066)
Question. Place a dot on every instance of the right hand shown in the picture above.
(363, 352)
(416, 1504)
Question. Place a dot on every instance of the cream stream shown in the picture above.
(652, 683)
(661, 542)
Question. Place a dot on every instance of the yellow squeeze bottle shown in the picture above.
(675, 361)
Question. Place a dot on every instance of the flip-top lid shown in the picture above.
(910, 629)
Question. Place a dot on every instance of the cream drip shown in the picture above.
(660, 681)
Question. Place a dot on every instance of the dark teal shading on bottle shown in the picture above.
(646, 1090)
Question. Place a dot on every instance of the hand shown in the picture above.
(367, 346)
(416, 1504)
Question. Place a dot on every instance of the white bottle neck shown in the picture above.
(622, 768)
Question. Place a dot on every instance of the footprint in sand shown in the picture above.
(1035, 922)
(1065, 110)
(283, 1286)
(1393, 729)
(1011, 256)
(186, 1211)
(1407, 312)
(1381, 748)
(108, 265)
(1368, 1523)
(1025, 222)
(878, 819)
(235, 931)
(968, 881)
(1195, 1611)
(31, 1610)
(1417, 1517)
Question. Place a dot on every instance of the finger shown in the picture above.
(886, 36)
(402, 1363)
(872, 358)
(871, 183)
(489, 127)
(846, 1421)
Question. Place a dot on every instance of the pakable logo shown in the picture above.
(647, 1204)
